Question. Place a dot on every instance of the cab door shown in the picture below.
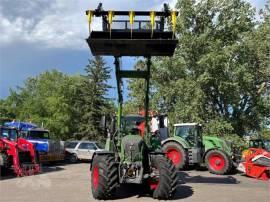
(199, 145)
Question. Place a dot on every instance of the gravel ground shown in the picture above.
(71, 183)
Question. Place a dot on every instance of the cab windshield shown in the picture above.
(267, 145)
(131, 123)
(9, 133)
(39, 135)
(256, 144)
(188, 133)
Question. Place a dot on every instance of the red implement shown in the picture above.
(256, 163)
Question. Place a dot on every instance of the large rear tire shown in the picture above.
(164, 183)
(218, 162)
(177, 154)
(104, 177)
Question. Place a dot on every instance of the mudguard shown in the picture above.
(178, 140)
(212, 142)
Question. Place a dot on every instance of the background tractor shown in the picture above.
(132, 156)
(189, 147)
(17, 153)
(260, 143)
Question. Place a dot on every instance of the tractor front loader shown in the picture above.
(130, 156)
(17, 153)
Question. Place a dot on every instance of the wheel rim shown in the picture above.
(216, 162)
(174, 155)
(95, 177)
(153, 184)
(154, 181)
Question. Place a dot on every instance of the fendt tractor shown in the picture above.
(48, 150)
(189, 147)
(17, 152)
(130, 156)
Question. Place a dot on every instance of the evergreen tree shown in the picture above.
(93, 102)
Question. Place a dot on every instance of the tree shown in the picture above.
(47, 100)
(92, 100)
(220, 71)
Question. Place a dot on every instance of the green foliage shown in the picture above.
(219, 74)
(92, 101)
(265, 133)
(47, 100)
(69, 106)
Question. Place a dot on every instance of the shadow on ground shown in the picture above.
(131, 190)
(46, 168)
(186, 178)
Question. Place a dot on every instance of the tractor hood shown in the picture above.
(211, 142)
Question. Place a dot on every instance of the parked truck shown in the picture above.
(48, 150)
(17, 152)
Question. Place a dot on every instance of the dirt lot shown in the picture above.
(71, 183)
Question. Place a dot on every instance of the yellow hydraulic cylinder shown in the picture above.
(131, 20)
(110, 20)
(152, 20)
(89, 18)
(173, 15)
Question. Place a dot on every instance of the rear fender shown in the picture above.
(178, 140)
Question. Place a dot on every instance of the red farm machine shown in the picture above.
(255, 163)
(17, 153)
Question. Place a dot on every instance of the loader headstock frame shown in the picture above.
(146, 41)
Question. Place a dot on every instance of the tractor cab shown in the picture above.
(267, 145)
(133, 124)
(191, 133)
(8, 133)
(256, 143)
(260, 143)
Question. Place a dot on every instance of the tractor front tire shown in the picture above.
(164, 187)
(218, 162)
(177, 154)
(104, 177)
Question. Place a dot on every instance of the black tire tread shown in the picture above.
(168, 178)
(108, 177)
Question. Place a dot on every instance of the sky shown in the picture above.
(41, 35)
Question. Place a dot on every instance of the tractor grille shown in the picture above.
(132, 145)
(55, 147)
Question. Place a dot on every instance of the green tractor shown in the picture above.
(132, 156)
(189, 147)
